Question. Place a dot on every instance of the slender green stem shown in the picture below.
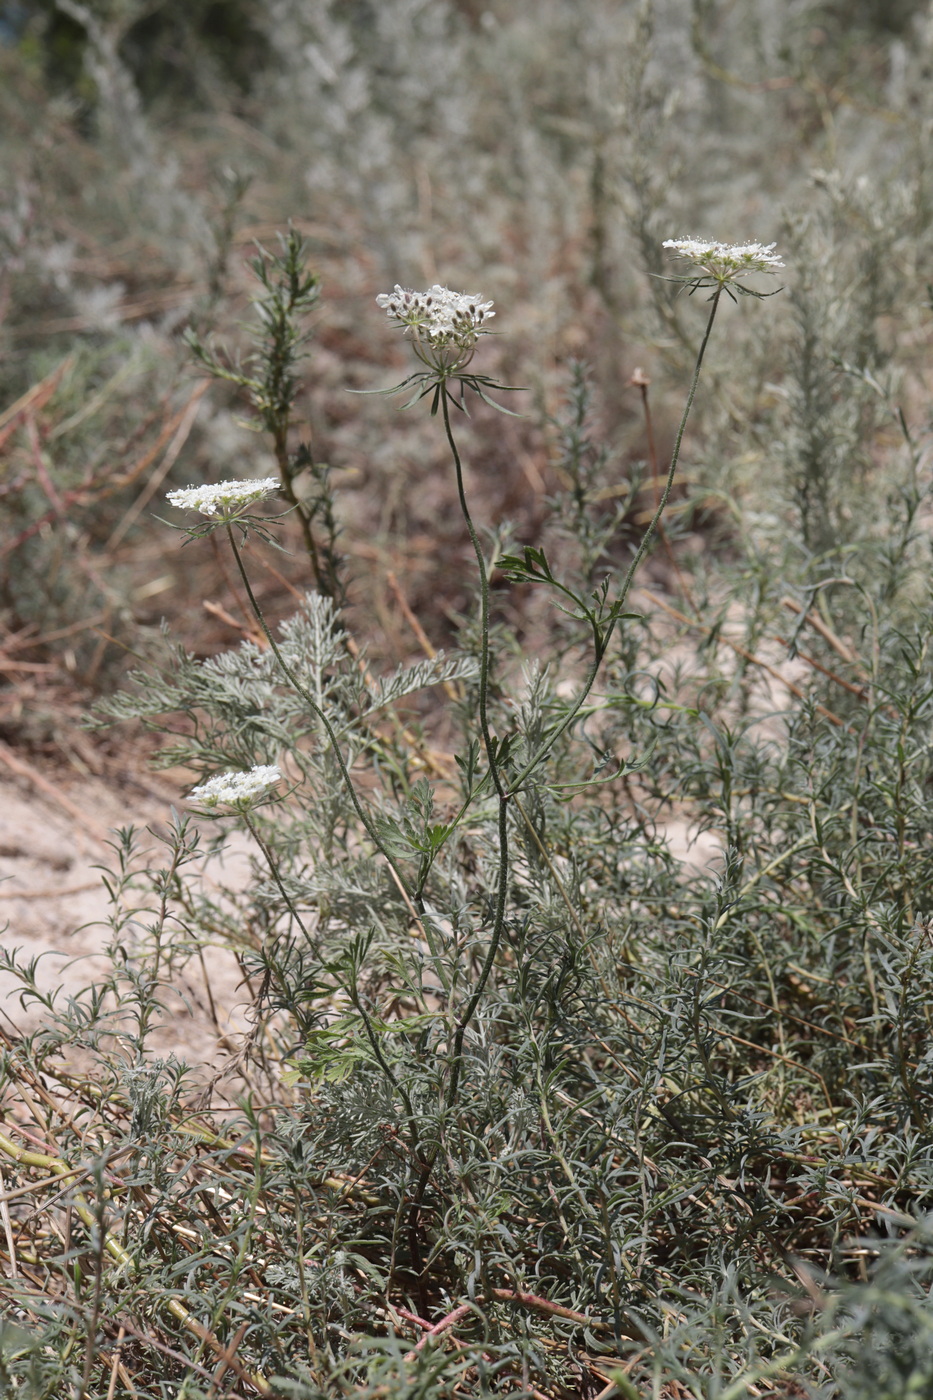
(675, 455)
(497, 928)
(273, 867)
(567, 721)
(315, 707)
(483, 600)
(384, 1065)
(601, 650)
(502, 883)
(287, 899)
(311, 549)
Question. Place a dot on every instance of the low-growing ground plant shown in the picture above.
(528, 1106)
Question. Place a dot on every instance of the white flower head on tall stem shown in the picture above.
(228, 499)
(443, 325)
(721, 265)
(237, 789)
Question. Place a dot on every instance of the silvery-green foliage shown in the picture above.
(694, 1095)
(153, 171)
(848, 259)
(241, 714)
(369, 80)
(674, 1082)
(241, 690)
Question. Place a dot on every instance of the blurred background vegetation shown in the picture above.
(536, 155)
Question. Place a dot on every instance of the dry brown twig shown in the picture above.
(739, 650)
(86, 825)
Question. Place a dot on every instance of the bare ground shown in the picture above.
(54, 852)
(56, 908)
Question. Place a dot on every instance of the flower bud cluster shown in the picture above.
(725, 262)
(236, 789)
(224, 498)
(439, 317)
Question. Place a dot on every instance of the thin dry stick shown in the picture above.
(743, 652)
(42, 468)
(250, 633)
(221, 562)
(857, 690)
(225, 1361)
(8, 1232)
(50, 894)
(35, 667)
(546, 1308)
(25, 641)
(828, 635)
(120, 1256)
(96, 488)
(412, 1317)
(58, 510)
(23, 769)
(115, 1367)
(444, 1325)
(109, 484)
(164, 1350)
(133, 309)
(532, 1301)
(423, 639)
(92, 405)
(35, 398)
(182, 433)
(270, 568)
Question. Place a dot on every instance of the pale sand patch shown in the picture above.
(56, 909)
(699, 852)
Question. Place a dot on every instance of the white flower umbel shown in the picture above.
(237, 789)
(725, 262)
(443, 323)
(227, 498)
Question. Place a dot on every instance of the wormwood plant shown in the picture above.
(527, 1108)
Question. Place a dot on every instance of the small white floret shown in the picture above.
(237, 789)
(226, 498)
(725, 262)
(438, 316)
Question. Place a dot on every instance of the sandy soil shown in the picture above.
(55, 906)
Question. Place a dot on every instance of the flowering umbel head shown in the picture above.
(721, 265)
(237, 789)
(228, 499)
(443, 325)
